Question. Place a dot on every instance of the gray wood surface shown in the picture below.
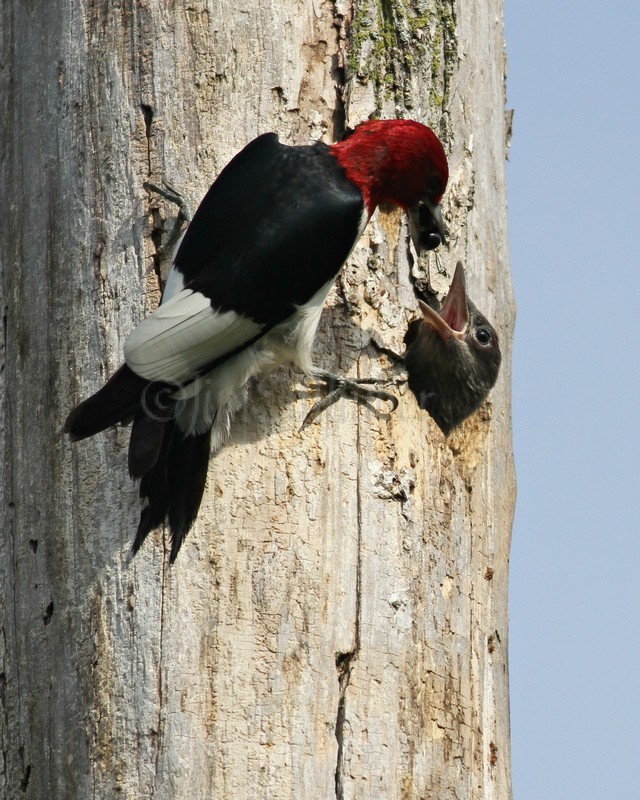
(336, 624)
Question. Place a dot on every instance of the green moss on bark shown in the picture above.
(394, 44)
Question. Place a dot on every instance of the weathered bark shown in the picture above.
(336, 624)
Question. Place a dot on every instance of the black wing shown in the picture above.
(276, 225)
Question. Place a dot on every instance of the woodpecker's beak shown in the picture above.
(452, 320)
(426, 226)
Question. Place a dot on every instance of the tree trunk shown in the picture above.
(336, 623)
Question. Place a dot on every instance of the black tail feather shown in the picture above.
(172, 467)
(117, 401)
(153, 488)
(188, 474)
(147, 433)
(174, 486)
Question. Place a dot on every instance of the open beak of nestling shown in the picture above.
(452, 320)
(426, 226)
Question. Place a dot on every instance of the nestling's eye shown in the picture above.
(483, 336)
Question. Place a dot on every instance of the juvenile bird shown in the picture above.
(245, 294)
(452, 357)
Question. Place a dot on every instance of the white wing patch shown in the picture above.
(184, 334)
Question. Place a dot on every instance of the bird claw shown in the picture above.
(358, 388)
(171, 194)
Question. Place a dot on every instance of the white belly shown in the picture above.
(212, 400)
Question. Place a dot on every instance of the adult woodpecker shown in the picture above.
(452, 357)
(245, 294)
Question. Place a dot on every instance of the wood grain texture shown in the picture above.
(336, 624)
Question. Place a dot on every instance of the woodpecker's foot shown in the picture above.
(360, 389)
(171, 194)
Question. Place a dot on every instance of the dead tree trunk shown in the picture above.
(336, 625)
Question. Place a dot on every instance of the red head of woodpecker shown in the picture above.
(410, 171)
(245, 294)
(452, 357)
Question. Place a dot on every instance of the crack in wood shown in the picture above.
(345, 661)
(48, 613)
(161, 698)
(147, 113)
(26, 771)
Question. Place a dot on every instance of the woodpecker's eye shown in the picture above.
(483, 336)
(434, 187)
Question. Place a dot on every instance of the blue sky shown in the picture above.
(574, 81)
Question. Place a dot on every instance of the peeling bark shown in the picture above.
(336, 623)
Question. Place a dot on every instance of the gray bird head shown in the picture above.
(452, 357)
